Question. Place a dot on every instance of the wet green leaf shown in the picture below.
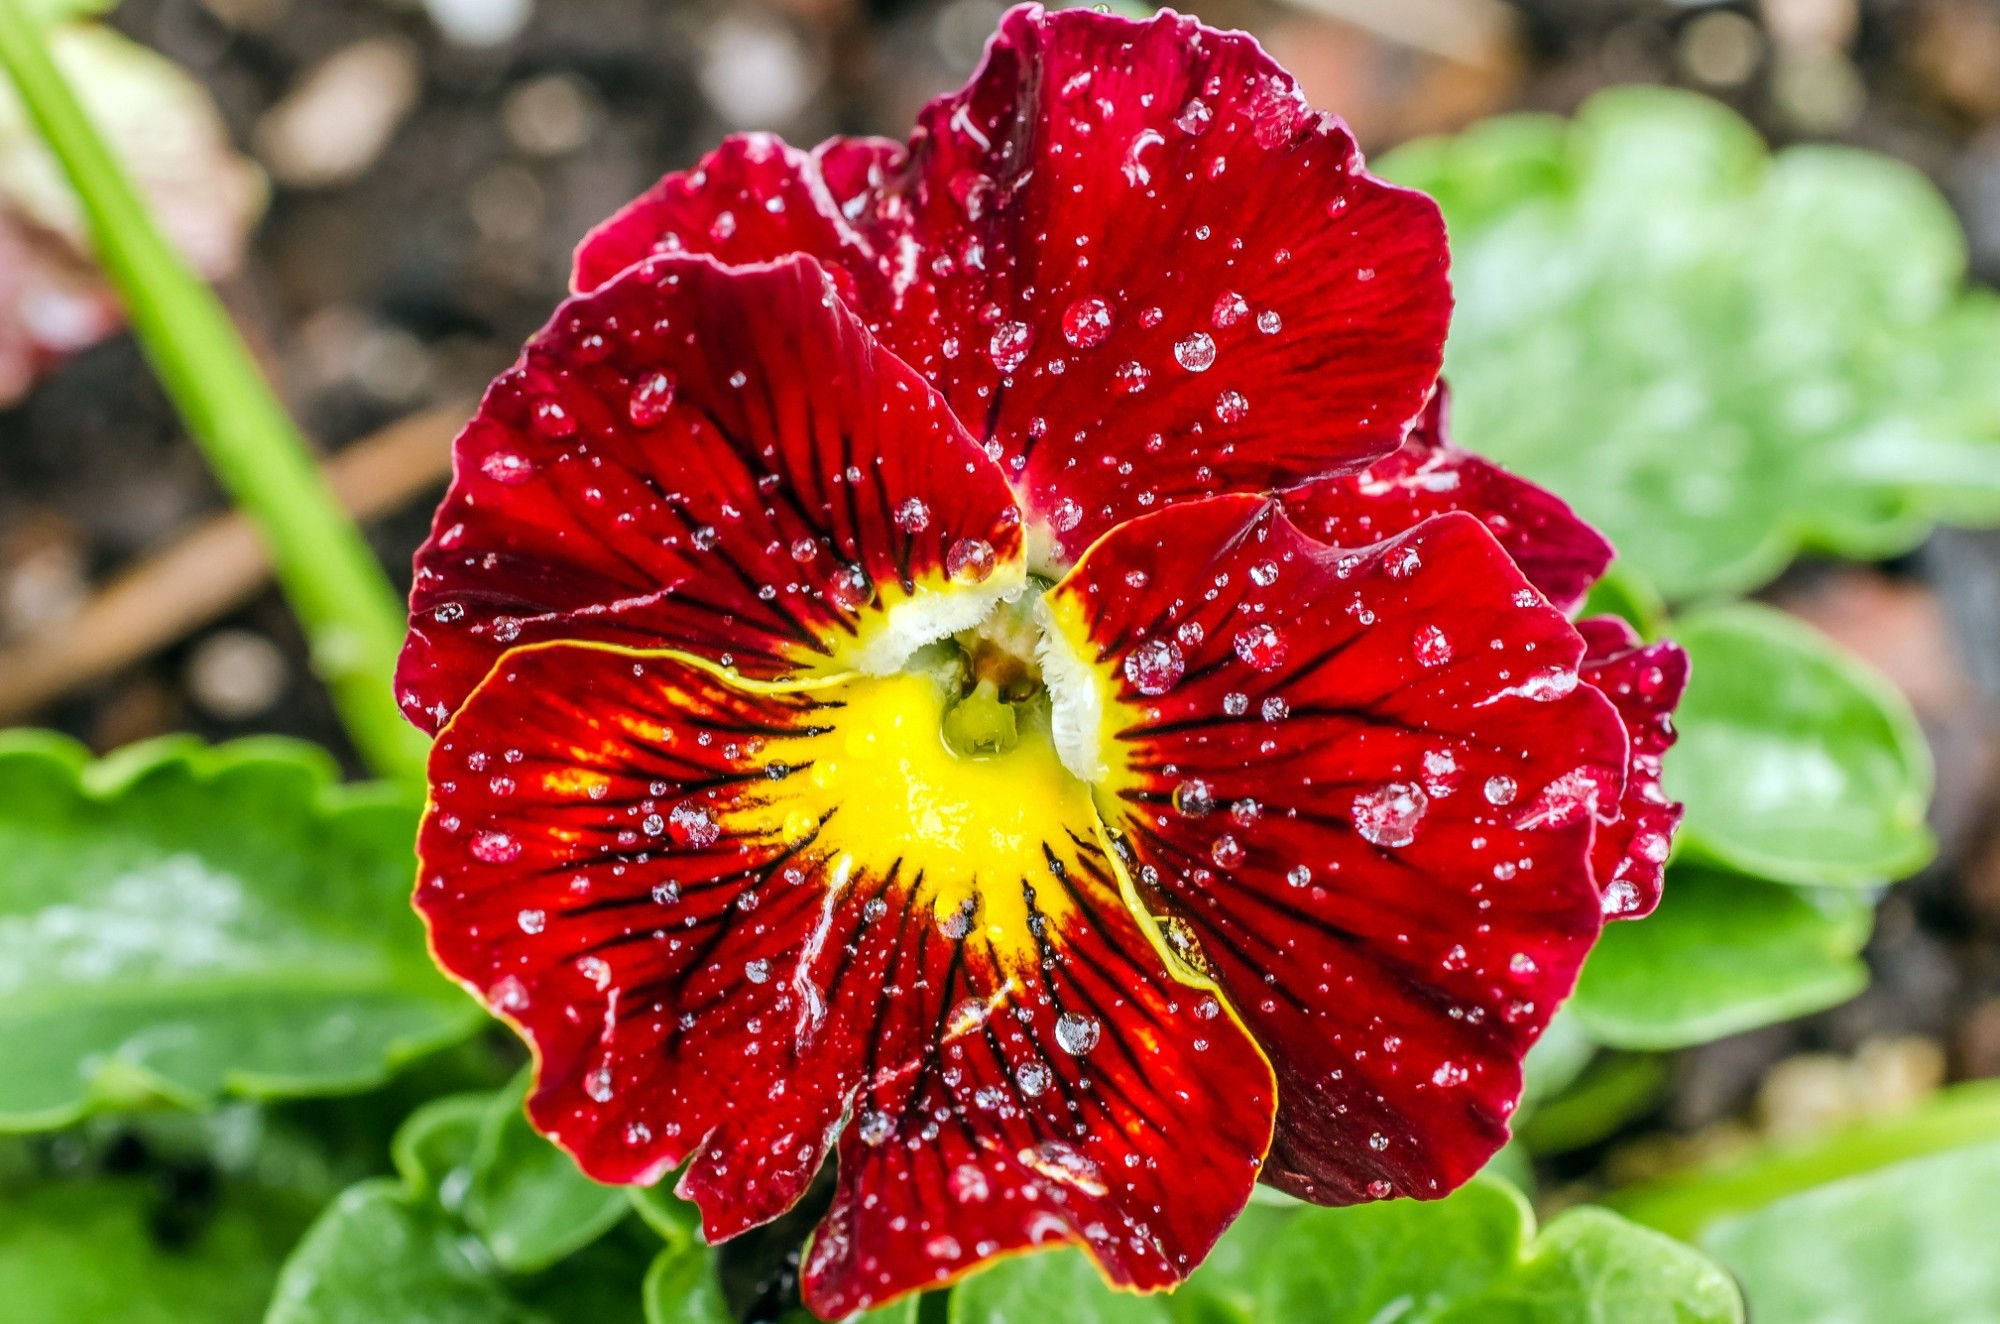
(1909, 1244)
(114, 1249)
(1796, 761)
(1723, 954)
(527, 1199)
(1473, 1257)
(181, 922)
(1720, 356)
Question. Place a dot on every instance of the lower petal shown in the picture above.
(1644, 682)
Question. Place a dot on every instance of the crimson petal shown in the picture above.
(1644, 682)
(1559, 553)
(690, 896)
(1362, 787)
(711, 458)
(1133, 259)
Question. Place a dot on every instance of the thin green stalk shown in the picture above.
(1682, 1204)
(344, 601)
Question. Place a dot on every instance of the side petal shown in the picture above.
(709, 458)
(1559, 553)
(1360, 787)
(1644, 682)
(739, 923)
(1136, 262)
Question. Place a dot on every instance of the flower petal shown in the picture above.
(710, 458)
(1361, 785)
(1644, 682)
(1559, 553)
(736, 921)
(1133, 259)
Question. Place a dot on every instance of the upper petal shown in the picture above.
(709, 458)
(1644, 682)
(738, 923)
(1362, 785)
(1134, 260)
(1559, 553)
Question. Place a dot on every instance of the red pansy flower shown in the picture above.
(864, 730)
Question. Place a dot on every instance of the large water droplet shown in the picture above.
(692, 828)
(1432, 648)
(495, 848)
(1388, 816)
(1260, 646)
(1033, 1078)
(1154, 667)
(970, 560)
(651, 401)
(1196, 352)
(1087, 322)
(1077, 1033)
(507, 467)
(913, 516)
(1009, 346)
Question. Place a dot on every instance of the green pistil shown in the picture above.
(981, 724)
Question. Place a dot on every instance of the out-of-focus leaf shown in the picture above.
(528, 1200)
(1796, 762)
(1472, 1257)
(681, 1288)
(115, 1249)
(1909, 1244)
(180, 922)
(167, 132)
(1718, 355)
(1724, 953)
(677, 1221)
(394, 1249)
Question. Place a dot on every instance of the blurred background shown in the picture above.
(388, 192)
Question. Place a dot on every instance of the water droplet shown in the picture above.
(1227, 852)
(532, 921)
(1299, 875)
(1501, 790)
(913, 516)
(1132, 378)
(651, 401)
(1087, 322)
(849, 587)
(1378, 1142)
(1388, 816)
(1066, 516)
(551, 420)
(1264, 574)
(598, 1085)
(1154, 667)
(1033, 1078)
(1274, 708)
(1269, 322)
(1194, 118)
(1137, 172)
(1230, 309)
(970, 560)
(1196, 353)
(495, 848)
(969, 1184)
(1194, 798)
(1232, 407)
(692, 828)
(1077, 1033)
(1009, 346)
(1261, 647)
(757, 972)
(1380, 1189)
(1433, 649)
(507, 467)
(1235, 704)
(447, 613)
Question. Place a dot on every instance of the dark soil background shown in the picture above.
(409, 276)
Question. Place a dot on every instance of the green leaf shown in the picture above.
(1796, 762)
(1908, 1244)
(110, 1249)
(399, 1249)
(1723, 954)
(180, 922)
(1472, 1258)
(528, 1200)
(677, 1221)
(1721, 357)
(682, 1288)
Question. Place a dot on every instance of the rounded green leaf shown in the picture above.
(1909, 1244)
(527, 1199)
(179, 922)
(682, 1288)
(1724, 953)
(1719, 356)
(1796, 762)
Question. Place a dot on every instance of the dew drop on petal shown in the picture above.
(1194, 798)
(1388, 816)
(1087, 322)
(1380, 1189)
(532, 921)
(1432, 648)
(598, 1085)
(692, 828)
(1261, 647)
(1269, 322)
(913, 516)
(1299, 875)
(1378, 1142)
(495, 848)
(1194, 118)
(970, 560)
(1154, 667)
(1077, 1033)
(551, 420)
(969, 1184)
(1230, 309)
(1010, 344)
(1232, 407)
(1033, 1078)
(850, 587)
(1196, 353)
(651, 401)
(757, 972)
(1066, 515)
(1501, 790)
(1227, 852)
(507, 467)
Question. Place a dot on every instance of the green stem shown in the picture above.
(1684, 1203)
(350, 613)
